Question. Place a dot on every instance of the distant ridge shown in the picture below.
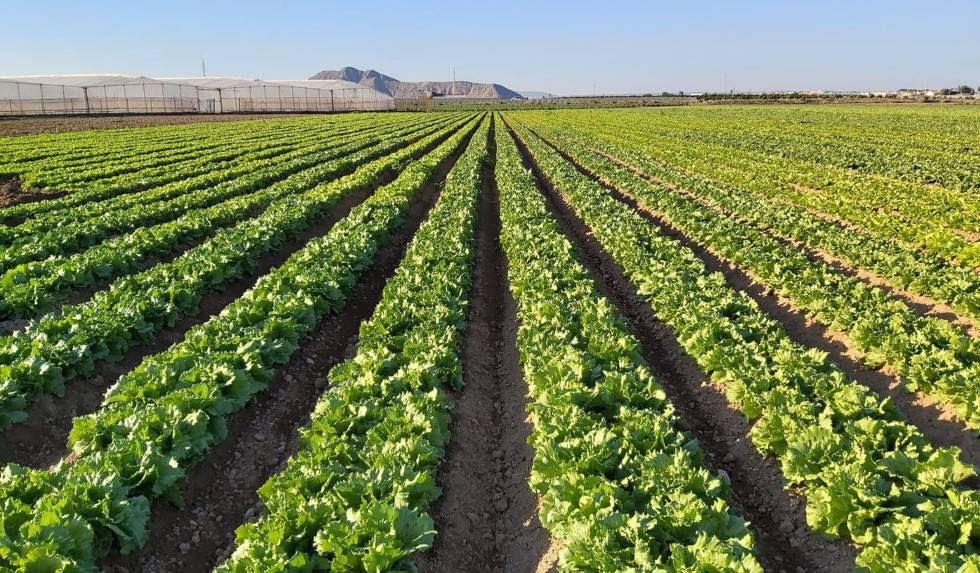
(391, 86)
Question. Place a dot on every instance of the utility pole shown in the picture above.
(204, 70)
(453, 91)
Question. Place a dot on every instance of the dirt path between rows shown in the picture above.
(41, 440)
(936, 421)
(776, 516)
(920, 304)
(81, 295)
(221, 491)
(13, 192)
(486, 519)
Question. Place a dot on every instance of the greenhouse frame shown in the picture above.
(126, 94)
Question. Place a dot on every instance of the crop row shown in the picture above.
(81, 148)
(902, 266)
(619, 484)
(939, 226)
(82, 204)
(62, 346)
(125, 174)
(867, 474)
(891, 210)
(32, 287)
(78, 234)
(138, 190)
(168, 412)
(73, 176)
(933, 147)
(355, 496)
(125, 187)
(929, 355)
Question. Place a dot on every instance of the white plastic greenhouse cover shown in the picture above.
(120, 93)
(230, 94)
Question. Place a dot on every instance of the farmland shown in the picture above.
(735, 338)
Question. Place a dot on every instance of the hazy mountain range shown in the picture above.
(400, 89)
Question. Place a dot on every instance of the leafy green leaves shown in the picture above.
(164, 415)
(354, 497)
(62, 346)
(867, 474)
(620, 486)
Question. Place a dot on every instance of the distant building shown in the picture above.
(915, 93)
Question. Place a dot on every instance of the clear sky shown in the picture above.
(566, 47)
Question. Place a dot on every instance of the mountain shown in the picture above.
(409, 90)
(368, 78)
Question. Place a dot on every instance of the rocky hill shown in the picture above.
(400, 89)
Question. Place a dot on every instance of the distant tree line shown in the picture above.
(779, 95)
(964, 89)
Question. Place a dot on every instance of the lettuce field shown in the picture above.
(690, 339)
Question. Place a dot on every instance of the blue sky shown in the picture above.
(567, 47)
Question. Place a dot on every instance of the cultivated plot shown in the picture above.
(680, 339)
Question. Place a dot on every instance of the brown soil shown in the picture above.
(777, 516)
(221, 491)
(40, 441)
(82, 295)
(935, 420)
(920, 304)
(486, 519)
(79, 296)
(12, 192)
(968, 236)
(56, 124)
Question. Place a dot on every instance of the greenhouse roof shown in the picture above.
(212, 82)
(83, 80)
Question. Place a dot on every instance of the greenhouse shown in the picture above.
(126, 94)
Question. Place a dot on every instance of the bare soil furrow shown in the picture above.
(920, 304)
(221, 491)
(13, 192)
(486, 517)
(777, 516)
(936, 421)
(23, 444)
(40, 441)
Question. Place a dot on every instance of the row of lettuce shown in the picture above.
(356, 494)
(939, 221)
(928, 355)
(173, 181)
(619, 484)
(868, 475)
(204, 167)
(124, 239)
(114, 169)
(902, 265)
(78, 159)
(169, 411)
(904, 144)
(64, 345)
